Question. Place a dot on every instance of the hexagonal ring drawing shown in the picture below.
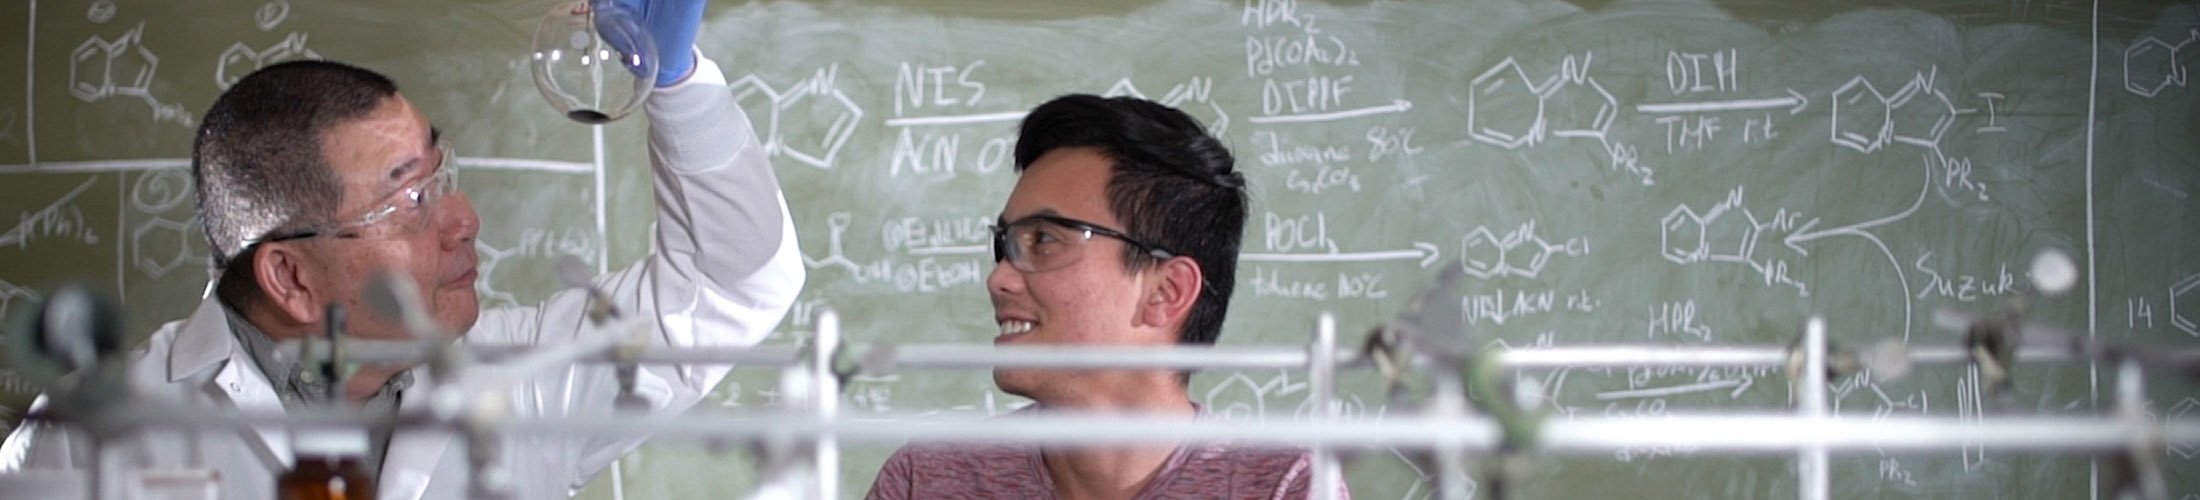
(1867, 129)
(1481, 254)
(161, 245)
(1504, 75)
(2172, 72)
(2177, 294)
(1679, 222)
(88, 70)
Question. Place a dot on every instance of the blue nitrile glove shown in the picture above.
(672, 25)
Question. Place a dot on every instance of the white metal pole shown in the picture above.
(1726, 432)
(1449, 401)
(827, 402)
(972, 356)
(2145, 452)
(1817, 479)
(1322, 373)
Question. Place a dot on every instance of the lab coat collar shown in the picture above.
(414, 455)
(203, 342)
(206, 343)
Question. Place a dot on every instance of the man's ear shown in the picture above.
(284, 278)
(1170, 299)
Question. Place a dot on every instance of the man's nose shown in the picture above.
(1005, 279)
(457, 220)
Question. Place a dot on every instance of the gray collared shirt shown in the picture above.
(307, 387)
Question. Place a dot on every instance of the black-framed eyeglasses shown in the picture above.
(403, 212)
(1048, 242)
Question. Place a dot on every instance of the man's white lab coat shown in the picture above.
(723, 273)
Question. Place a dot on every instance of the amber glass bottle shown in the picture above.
(328, 467)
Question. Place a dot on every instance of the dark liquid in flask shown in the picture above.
(588, 116)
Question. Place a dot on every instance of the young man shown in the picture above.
(1123, 229)
(315, 177)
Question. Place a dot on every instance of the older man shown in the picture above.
(315, 177)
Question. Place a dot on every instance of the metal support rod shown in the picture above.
(825, 402)
(1182, 357)
(1625, 356)
(1321, 372)
(590, 347)
(1811, 398)
(1449, 403)
(2144, 454)
(1445, 427)
(1763, 434)
(107, 478)
(974, 356)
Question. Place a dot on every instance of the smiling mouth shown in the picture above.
(1014, 326)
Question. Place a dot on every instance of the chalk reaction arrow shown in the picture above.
(1424, 251)
(1398, 106)
(1805, 234)
(1795, 102)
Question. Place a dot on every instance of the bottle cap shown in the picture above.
(328, 442)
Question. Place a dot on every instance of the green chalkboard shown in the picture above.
(1706, 172)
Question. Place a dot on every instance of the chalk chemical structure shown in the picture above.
(1585, 110)
(1198, 89)
(2186, 292)
(1728, 232)
(1918, 113)
(240, 59)
(123, 67)
(815, 98)
(61, 219)
(160, 244)
(935, 270)
(2152, 64)
(1487, 255)
(546, 244)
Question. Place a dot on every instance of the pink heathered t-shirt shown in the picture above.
(1011, 471)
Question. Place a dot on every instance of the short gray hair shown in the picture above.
(257, 161)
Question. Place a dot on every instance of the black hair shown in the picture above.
(257, 165)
